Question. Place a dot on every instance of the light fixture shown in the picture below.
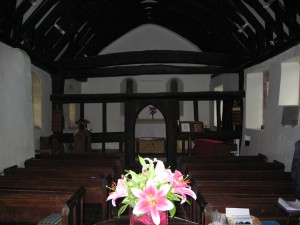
(33, 2)
(241, 29)
(62, 31)
(268, 4)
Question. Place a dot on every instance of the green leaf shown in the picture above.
(122, 209)
(172, 211)
(142, 161)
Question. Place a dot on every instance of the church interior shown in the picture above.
(198, 96)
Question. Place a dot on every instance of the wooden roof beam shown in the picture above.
(152, 56)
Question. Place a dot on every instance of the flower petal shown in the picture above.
(155, 215)
(164, 204)
(141, 207)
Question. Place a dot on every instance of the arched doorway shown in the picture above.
(150, 133)
(169, 110)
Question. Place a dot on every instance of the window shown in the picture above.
(266, 87)
(289, 84)
(218, 88)
(36, 100)
(257, 93)
(72, 109)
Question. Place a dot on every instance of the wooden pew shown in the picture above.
(202, 175)
(243, 188)
(222, 194)
(62, 172)
(260, 208)
(30, 206)
(96, 192)
(225, 183)
(227, 159)
(77, 163)
(87, 156)
(236, 166)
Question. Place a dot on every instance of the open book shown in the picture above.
(289, 206)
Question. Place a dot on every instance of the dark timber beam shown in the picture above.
(139, 70)
(152, 56)
(187, 96)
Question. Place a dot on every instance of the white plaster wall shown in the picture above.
(275, 141)
(150, 37)
(46, 88)
(16, 113)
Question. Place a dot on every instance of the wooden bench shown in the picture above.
(278, 176)
(30, 206)
(62, 172)
(260, 208)
(228, 159)
(225, 183)
(221, 194)
(86, 156)
(236, 166)
(77, 163)
(96, 192)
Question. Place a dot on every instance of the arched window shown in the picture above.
(72, 109)
(128, 86)
(175, 85)
(36, 100)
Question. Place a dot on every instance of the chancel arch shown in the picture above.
(169, 111)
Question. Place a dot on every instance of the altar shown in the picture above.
(150, 136)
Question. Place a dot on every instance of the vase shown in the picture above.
(146, 219)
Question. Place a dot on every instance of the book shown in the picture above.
(289, 206)
(238, 216)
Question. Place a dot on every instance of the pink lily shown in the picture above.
(120, 191)
(181, 187)
(153, 200)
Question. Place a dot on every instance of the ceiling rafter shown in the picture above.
(259, 29)
(291, 11)
(58, 30)
(270, 24)
(218, 26)
(204, 28)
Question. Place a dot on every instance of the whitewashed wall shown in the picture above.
(275, 141)
(16, 113)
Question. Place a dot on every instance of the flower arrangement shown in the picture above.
(153, 190)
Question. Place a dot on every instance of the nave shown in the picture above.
(74, 185)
